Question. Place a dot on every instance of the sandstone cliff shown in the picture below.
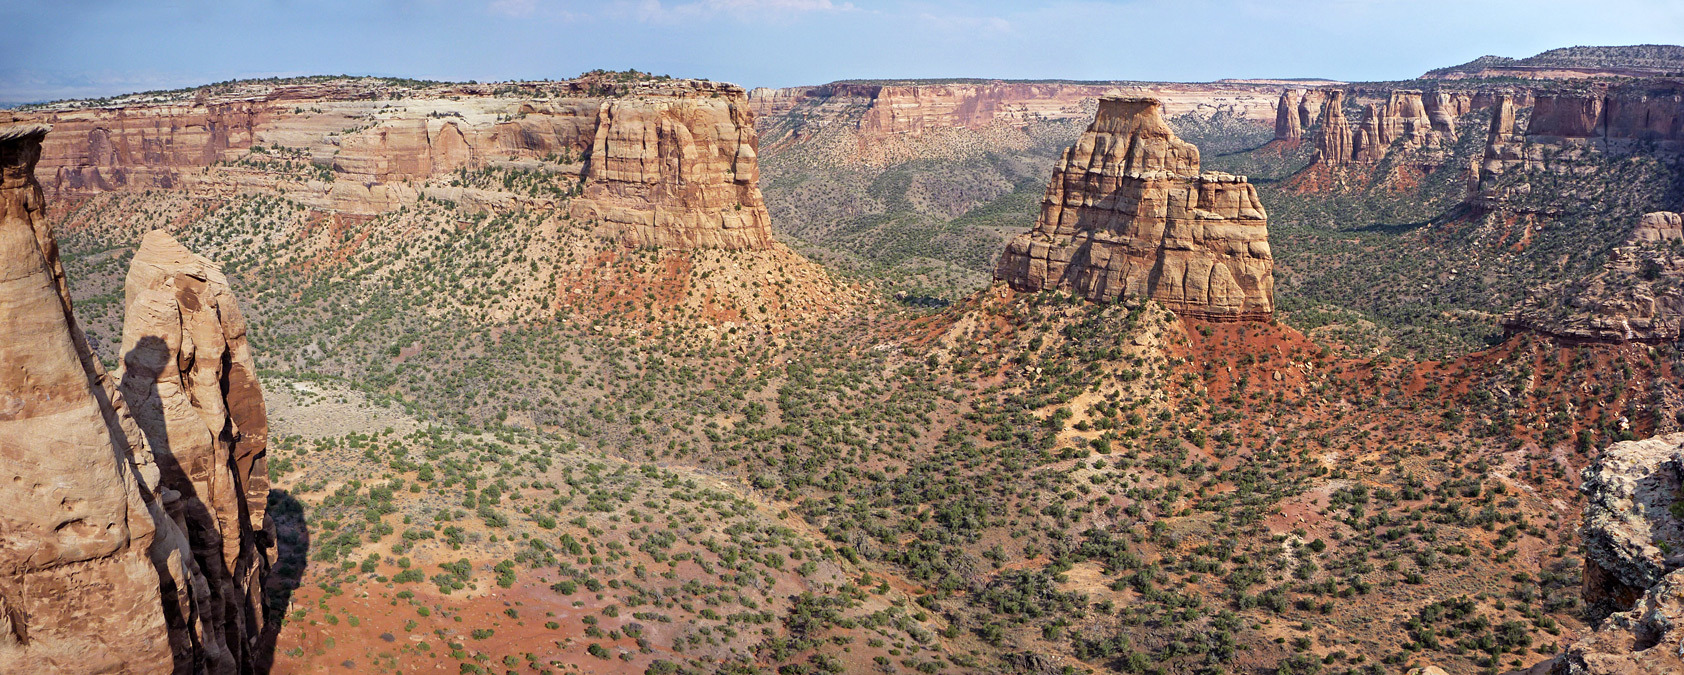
(1568, 132)
(1631, 531)
(101, 555)
(1128, 214)
(1637, 297)
(677, 171)
(1406, 119)
(669, 163)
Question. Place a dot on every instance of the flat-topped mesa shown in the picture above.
(677, 171)
(1128, 215)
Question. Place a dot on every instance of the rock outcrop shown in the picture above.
(189, 380)
(1333, 144)
(99, 566)
(1129, 215)
(1637, 297)
(1289, 121)
(1567, 131)
(1405, 120)
(677, 171)
(1633, 534)
(660, 162)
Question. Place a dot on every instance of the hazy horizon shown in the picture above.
(103, 48)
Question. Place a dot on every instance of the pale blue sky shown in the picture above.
(65, 48)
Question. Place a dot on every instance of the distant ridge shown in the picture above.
(1574, 62)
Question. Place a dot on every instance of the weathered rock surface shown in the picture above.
(666, 162)
(1637, 297)
(1404, 120)
(1289, 122)
(1569, 132)
(1333, 144)
(1128, 214)
(679, 170)
(1634, 553)
(100, 573)
(189, 380)
(80, 593)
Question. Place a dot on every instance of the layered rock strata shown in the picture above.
(1406, 119)
(99, 565)
(677, 172)
(663, 162)
(1637, 297)
(1631, 533)
(1565, 132)
(1129, 215)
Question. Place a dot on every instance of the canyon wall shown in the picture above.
(1566, 132)
(914, 107)
(665, 162)
(104, 562)
(1129, 215)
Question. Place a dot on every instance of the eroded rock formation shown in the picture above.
(1333, 144)
(663, 162)
(1289, 122)
(1128, 214)
(190, 382)
(678, 171)
(99, 553)
(1569, 132)
(1405, 120)
(1631, 533)
(1637, 297)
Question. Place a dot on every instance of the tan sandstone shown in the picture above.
(1128, 215)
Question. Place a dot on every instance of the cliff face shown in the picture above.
(677, 171)
(1404, 120)
(669, 163)
(1630, 527)
(1128, 214)
(1637, 297)
(1566, 132)
(103, 554)
(881, 110)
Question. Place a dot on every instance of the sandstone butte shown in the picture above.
(1128, 215)
(667, 163)
(131, 506)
